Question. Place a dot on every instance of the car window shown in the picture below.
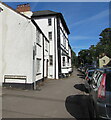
(96, 77)
(99, 80)
(108, 82)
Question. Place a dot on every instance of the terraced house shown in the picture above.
(32, 46)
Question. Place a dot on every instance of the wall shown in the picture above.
(18, 36)
(104, 61)
(43, 24)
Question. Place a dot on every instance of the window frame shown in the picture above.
(38, 65)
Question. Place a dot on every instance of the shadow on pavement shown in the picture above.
(77, 106)
(81, 87)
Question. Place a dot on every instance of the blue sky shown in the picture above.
(85, 20)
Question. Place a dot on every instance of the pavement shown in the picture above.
(63, 98)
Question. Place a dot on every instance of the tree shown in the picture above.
(104, 46)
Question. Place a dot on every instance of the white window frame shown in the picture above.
(38, 65)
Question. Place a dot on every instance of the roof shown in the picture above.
(43, 13)
(46, 13)
(13, 10)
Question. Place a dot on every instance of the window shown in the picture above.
(38, 65)
(49, 22)
(68, 61)
(51, 59)
(63, 60)
(46, 45)
(38, 37)
(50, 35)
(104, 61)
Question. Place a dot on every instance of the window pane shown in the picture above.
(51, 59)
(50, 35)
(63, 61)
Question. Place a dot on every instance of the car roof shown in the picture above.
(104, 70)
(91, 70)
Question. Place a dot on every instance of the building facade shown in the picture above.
(56, 30)
(24, 51)
(104, 61)
(32, 47)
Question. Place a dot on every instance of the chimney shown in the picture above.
(23, 8)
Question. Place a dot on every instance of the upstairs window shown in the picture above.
(50, 35)
(64, 41)
(38, 37)
(49, 22)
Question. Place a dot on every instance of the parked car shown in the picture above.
(100, 95)
(89, 68)
(88, 78)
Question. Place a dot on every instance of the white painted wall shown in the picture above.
(18, 36)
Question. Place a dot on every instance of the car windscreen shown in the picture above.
(108, 82)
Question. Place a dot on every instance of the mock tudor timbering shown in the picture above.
(32, 48)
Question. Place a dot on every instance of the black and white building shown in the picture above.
(54, 27)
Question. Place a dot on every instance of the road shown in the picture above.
(63, 98)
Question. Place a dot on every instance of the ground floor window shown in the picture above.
(63, 61)
(51, 60)
(68, 61)
(38, 65)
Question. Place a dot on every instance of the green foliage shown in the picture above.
(103, 46)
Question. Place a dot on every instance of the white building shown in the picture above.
(32, 48)
(54, 27)
(23, 46)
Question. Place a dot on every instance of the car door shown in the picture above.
(108, 94)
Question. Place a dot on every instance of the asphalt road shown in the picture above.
(64, 98)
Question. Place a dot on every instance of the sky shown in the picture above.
(85, 20)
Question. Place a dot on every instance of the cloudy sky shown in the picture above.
(85, 20)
